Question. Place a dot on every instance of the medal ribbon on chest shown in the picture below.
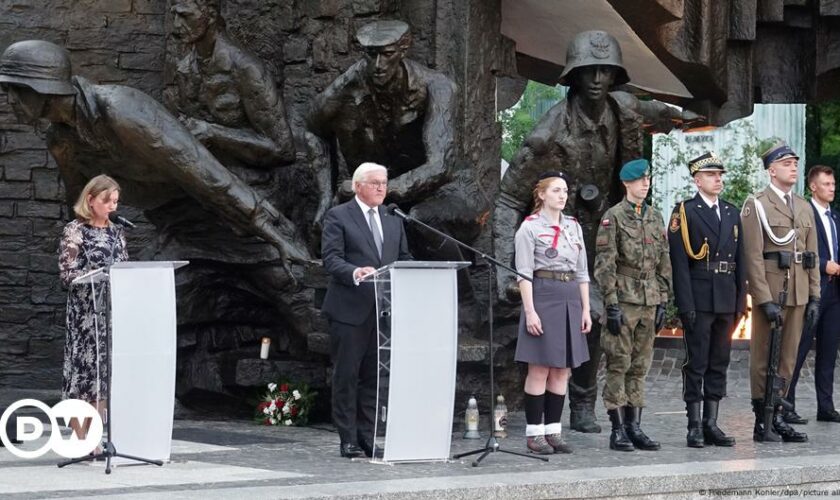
(552, 251)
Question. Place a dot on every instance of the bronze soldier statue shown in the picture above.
(224, 95)
(589, 135)
(394, 111)
(230, 101)
(129, 135)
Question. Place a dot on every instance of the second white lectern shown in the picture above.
(417, 307)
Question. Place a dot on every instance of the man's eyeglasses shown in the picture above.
(377, 184)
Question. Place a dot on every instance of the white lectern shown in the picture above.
(143, 351)
(142, 347)
(417, 307)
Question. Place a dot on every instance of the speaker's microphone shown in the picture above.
(393, 209)
(119, 219)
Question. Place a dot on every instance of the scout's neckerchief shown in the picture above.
(704, 248)
(762, 217)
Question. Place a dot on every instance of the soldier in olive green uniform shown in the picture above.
(633, 269)
(780, 245)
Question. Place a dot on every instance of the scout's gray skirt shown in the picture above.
(562, 345)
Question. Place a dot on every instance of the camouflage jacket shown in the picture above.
(632, 263)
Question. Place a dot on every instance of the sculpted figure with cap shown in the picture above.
(392, 110)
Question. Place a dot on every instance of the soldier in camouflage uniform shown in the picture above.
(633, 269)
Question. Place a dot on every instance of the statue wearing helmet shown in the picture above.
(588, 136)
(127, 134)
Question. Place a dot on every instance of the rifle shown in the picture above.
(774, 385)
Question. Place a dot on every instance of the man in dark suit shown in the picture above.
(709, 288)
(358, 237)
(821, 183)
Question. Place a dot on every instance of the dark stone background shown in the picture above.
(307, 43)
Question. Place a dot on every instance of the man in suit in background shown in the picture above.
(358, 237)
(821, 183)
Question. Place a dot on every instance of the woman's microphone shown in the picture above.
(119, 219)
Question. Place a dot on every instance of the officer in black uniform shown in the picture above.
(710, 292)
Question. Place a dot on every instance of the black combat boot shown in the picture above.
(694, 438)
(788, 433)
(618, 437)
(758, 428)
(632, 421)
(711, 432)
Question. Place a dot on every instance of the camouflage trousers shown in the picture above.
(628, 357)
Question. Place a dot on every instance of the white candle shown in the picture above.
(266, 343)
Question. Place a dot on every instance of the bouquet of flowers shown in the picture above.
(285, 404)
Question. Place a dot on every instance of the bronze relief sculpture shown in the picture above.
(392, 110)
(127, 134)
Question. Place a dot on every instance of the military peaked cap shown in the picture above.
(776, 152)
(707, 162)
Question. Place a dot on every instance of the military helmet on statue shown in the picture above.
(594, 48)
(42, 66)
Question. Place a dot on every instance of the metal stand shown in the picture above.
(108, 449)
(492, 445)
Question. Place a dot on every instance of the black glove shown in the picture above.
(688, 319)
(659, 322)
(772, 311)
(812, 314)
(614, 319)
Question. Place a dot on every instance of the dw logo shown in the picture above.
(30, 428)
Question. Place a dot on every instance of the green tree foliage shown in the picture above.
(518, 121)
(830, 128)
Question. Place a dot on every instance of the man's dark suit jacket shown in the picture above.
(347, 244)
(824, 248)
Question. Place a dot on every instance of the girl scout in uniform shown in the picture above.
(555, 309)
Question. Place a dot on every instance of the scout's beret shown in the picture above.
(706, 163)
(634, 169)
(381, 33)
(555, 173)
(776, 152)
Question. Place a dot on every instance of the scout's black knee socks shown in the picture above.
(534, 408)
(553, 412)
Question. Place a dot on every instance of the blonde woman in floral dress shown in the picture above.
(89, 242)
